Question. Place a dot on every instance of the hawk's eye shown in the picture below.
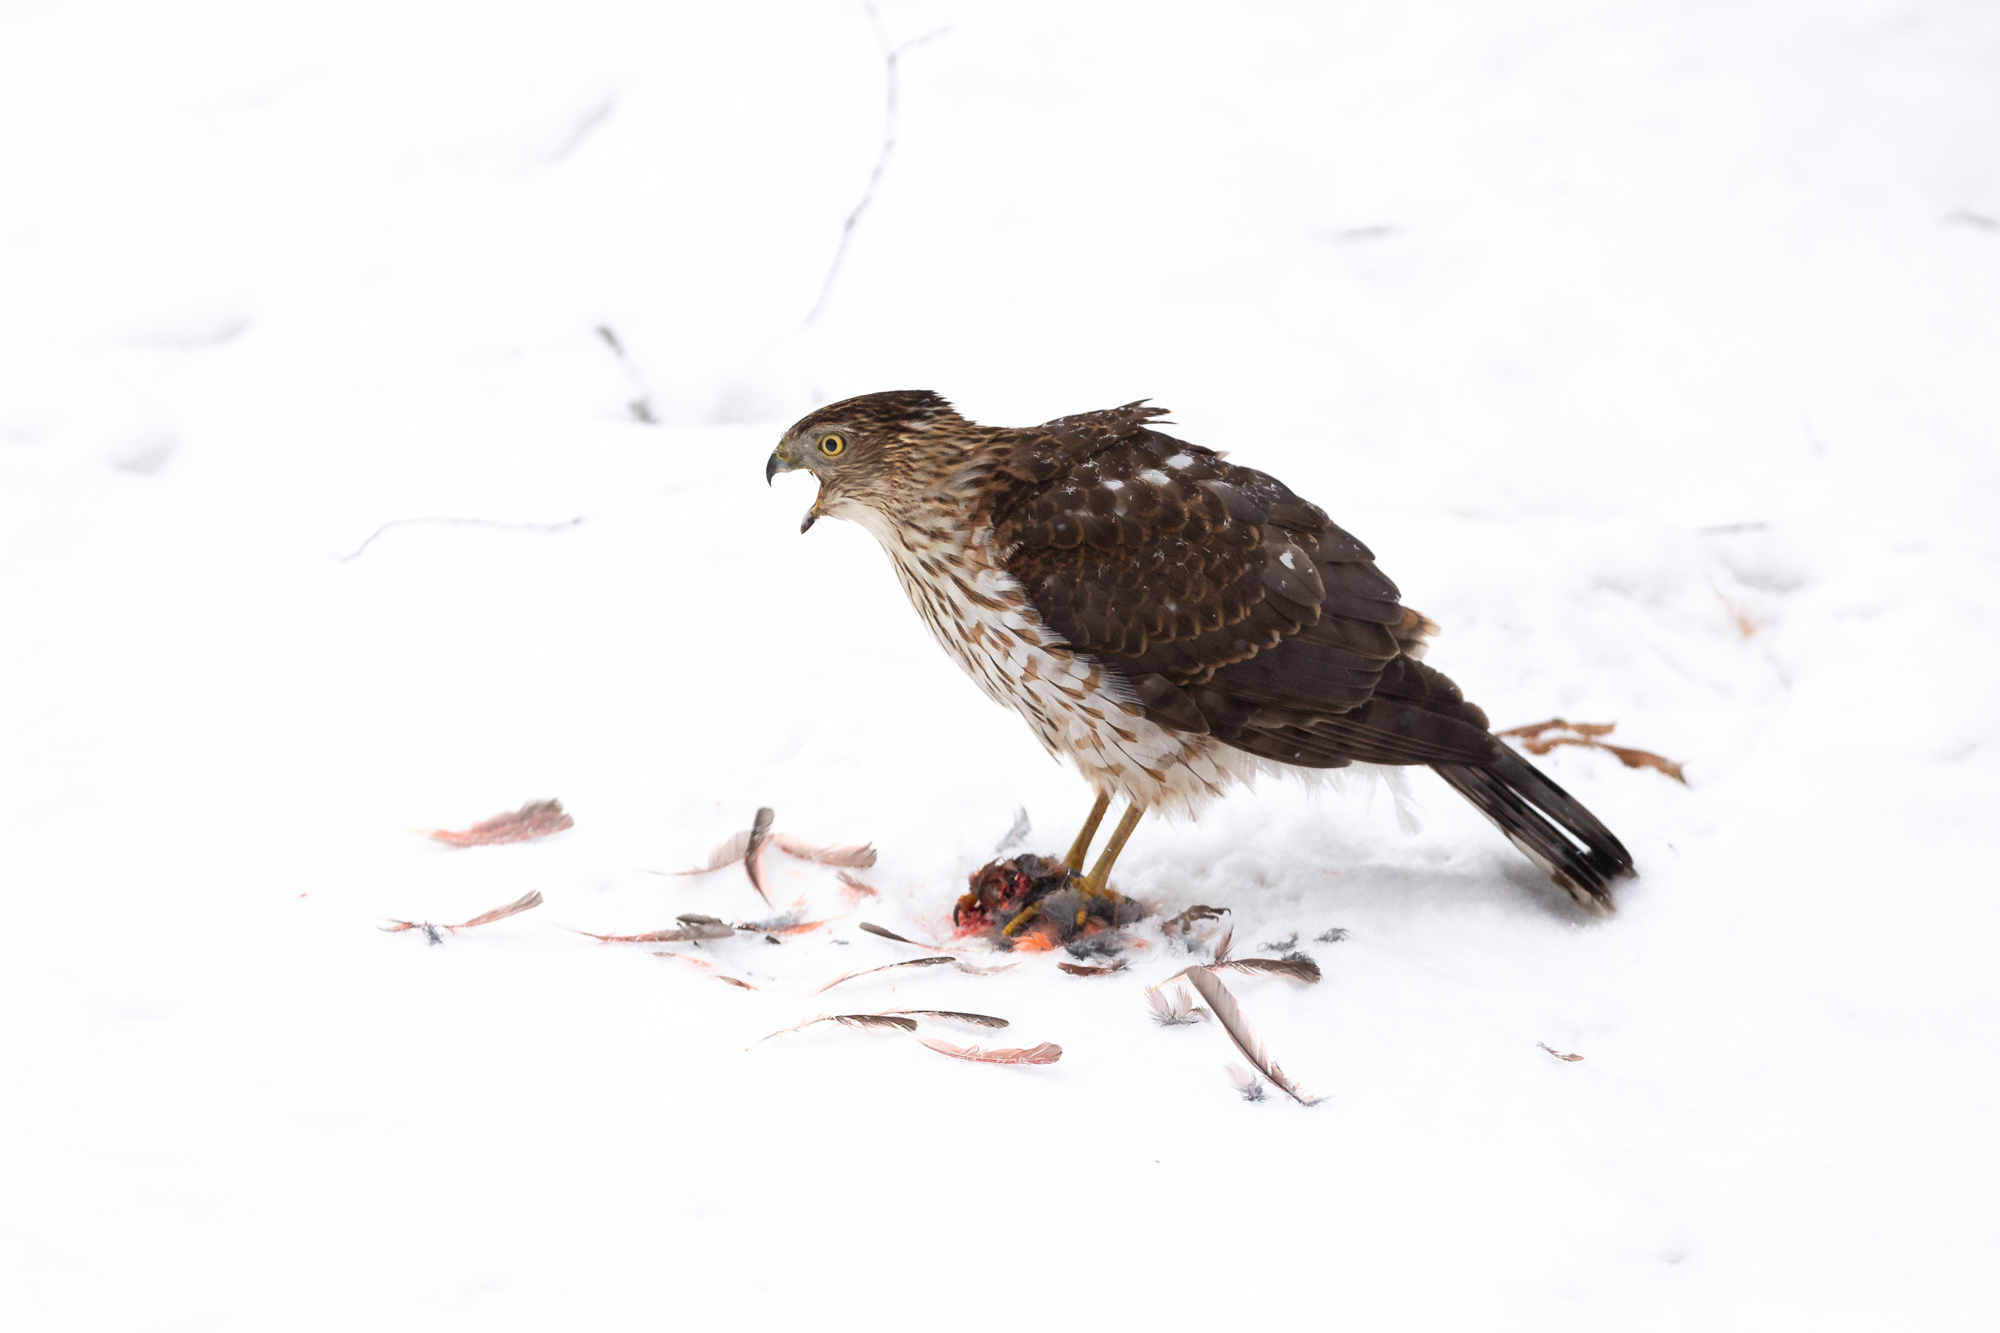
(833, 446)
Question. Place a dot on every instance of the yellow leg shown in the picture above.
(1021, 918)
(1081, 847)
(1099, 879)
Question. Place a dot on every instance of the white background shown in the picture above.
(1526, 296)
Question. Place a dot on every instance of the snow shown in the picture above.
(1650, 347)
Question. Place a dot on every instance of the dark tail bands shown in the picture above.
(1576, 850)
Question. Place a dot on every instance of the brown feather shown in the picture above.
(1045, 1054)
(954, 1015)
(1300, 968)
(1230, 1015)
(858, 855)
(896, 1021)
(753, 852)
(536, 819)
(521, 904)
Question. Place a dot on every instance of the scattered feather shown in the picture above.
(753, 852)
(1296, 966)
(1535, 738)
(954, 1015)
(747, 845)
(679, 935)
(1085, 970)
(536, 819)
(521, 904)
(725, 853)
(865, 971)
(1045, 1054)
(859, 855)
(1333, 936)
(1285, 945)
(1017, 836)
(853, 889)
(1556, 1053)
(897, 1021)
(1222, 946)
(1233, 1021)
(1246, 1082)
(705, 966)
(693, 927)
(1104, 944)
(1172, 1005)
(788, 924)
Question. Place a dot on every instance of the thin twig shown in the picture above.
(641, 407)
(459, 522)
(891, 55)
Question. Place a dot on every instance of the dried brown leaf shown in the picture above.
(1535, 739)
(1556, 1053)
(858, 855)
(1045, 1054)
(1534, 730)
(1084, 970)
(1647, 759)
(1237, 1025)
(521, 904)
(536, 819)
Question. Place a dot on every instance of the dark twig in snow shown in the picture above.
(641, 407)
(891, 55)
(458, 522)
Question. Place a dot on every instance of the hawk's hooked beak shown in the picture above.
(781, 461)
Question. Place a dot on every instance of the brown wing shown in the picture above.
(1229, 604)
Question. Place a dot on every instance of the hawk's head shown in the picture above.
(876, 452)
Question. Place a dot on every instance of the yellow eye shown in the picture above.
(833, 446)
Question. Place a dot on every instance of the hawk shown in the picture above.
(1171, 623)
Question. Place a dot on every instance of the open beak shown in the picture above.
(781, 461)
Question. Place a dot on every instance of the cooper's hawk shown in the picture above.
(1171, 623)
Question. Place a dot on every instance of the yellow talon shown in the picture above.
(1021, 918)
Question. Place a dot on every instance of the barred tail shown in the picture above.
(1576, 850)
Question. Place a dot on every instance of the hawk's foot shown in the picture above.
(1081, 847)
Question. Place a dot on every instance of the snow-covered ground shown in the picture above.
(1615, 330)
